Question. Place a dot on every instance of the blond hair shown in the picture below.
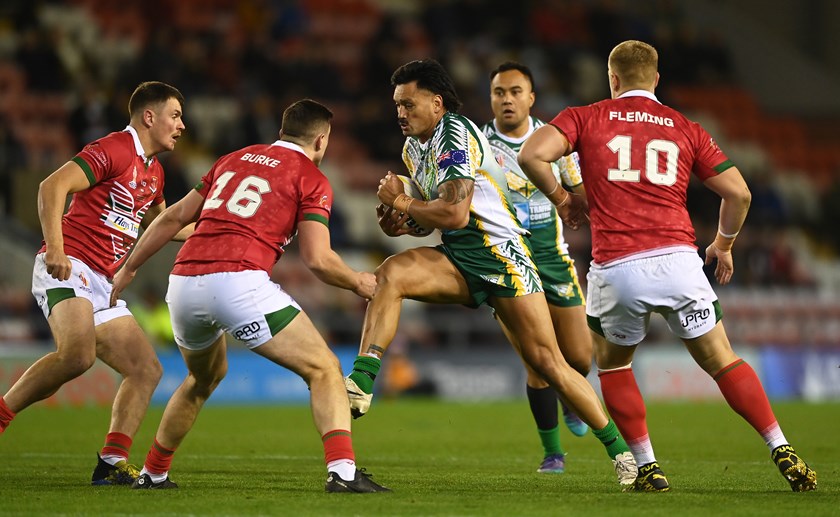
(635, 63)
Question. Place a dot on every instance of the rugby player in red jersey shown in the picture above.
(117, 188)
(636, 158)
(247, 209)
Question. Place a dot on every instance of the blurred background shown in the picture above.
(761, 79)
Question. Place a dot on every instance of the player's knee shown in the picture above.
(76, 363)
(389, 278)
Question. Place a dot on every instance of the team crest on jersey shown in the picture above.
(519, 184)
(454, 157)
(154, 184)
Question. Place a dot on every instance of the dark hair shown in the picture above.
(152, 93)
(431, 76)
(513, 65)
(304, 120)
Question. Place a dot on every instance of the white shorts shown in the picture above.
(245, 303)
(83, 283)
(622, 297)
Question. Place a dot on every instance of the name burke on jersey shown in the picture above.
(641, 116)
(260, 159)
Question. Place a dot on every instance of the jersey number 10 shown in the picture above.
(621, 145)
(245, 200)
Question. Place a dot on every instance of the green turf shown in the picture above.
(439, 458)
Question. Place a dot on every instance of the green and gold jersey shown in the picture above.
(534, 211)
(458, 149)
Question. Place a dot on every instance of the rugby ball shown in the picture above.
(410, 188)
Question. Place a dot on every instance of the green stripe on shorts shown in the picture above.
(58, 294)
(277, 321)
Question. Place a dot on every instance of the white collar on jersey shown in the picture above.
(289, 145)
(639, 93)
(137, 145)
(512, 140)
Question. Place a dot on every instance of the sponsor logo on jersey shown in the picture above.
(95, 150)
(454, 157)
(500, 159)
(133, 182)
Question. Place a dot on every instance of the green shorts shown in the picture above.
(506, 270)
(559, 279)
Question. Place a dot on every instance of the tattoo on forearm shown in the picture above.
(455, 191)
(376, 350)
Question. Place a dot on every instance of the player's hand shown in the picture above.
(58, 265)
(120, 282)
(391, 222)
(389, 188)
(725, 267)
(366, 285)
(575, 212)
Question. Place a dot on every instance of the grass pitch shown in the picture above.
(439, 458)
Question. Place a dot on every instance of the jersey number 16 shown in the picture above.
(245, 200)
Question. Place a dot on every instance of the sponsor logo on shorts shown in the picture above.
(85, 284)
(617, 335)
(696, 319)
(566, 290)
(247, 331)
(494, 279)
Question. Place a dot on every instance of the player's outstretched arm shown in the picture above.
(154, 211)
(317, 254)
(734, 205)
(162, 230)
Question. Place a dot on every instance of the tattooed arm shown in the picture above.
(450, 211)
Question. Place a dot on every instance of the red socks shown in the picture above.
(338, 445)
(116, 444)
(743, 391)
(159, 459)
(624, 403)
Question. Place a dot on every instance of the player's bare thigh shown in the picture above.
(300, 348)
(527, 317)
(572, 334)
(122, 345)
(208, 365)
(71, 323)
(712, 351)
(423, 274)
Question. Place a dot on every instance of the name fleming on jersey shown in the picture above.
(641, 116)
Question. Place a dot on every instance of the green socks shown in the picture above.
(364, 372)
(611, 439)
(551, 441)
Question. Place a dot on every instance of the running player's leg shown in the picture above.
(542, 400)
(123, 346)
(576, 346)
(206, 366)
(71, 323)
(525, 316)
(744, 393)
(423, 274)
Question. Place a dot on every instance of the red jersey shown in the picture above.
(636, 158)
(103, 221)
(254, 200)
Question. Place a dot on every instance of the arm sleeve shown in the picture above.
(710, 160)
(316, 197)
